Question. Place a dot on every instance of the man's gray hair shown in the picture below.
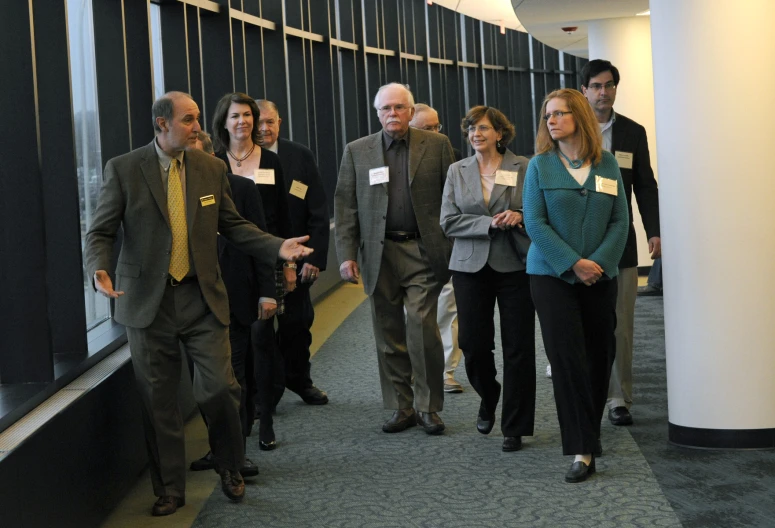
(268, 104)
(207, 143)
(404, 86)
(420, 107)
(164, 107)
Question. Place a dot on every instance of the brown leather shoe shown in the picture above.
(167, 505)
(232, 485)
(401, 419)
(431, 422)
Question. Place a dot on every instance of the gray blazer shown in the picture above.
(466, 218)
(133, 196)
(360, 209)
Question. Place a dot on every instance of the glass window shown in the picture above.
(156, 52)
(87, 139)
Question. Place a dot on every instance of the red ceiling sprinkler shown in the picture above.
(569, 29)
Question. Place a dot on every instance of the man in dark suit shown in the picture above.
(627, 140)
(307, 205)
(172, 204)
(242, 275)
(387, 205)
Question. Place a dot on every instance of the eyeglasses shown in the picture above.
(397, 108)
(433, 128)
(557, 114)
(596, 87)
(483, 129)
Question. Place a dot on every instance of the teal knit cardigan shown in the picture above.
(567, 221)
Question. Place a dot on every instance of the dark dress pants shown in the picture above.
(577, 324)
(269, 369)
(476, 295)
(294, 337)
(184, 318)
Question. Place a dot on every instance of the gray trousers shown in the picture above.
(620, 387)
(184, 317)
(408, 345)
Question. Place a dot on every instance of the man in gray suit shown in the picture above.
(386, 207)
(172, 204)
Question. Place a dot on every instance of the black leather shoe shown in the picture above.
(249, 468)
(167, 505)
(401, 419)
(203, 464)
(313, 396)
(266, 438)
(232, 485)
(431, 422)
(579, 471)
(620, 416)
(485, 420)
(512, 443)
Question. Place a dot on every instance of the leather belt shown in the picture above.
(185, 280)
(401, 236)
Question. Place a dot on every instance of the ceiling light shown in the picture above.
(647, 12)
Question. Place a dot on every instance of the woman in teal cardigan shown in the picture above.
(576, 214)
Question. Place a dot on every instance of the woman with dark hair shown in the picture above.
(576, 215)
(235, 140)
(482, 210)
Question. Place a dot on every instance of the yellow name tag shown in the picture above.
(624, 159)
(507, 178)
(606, 185)
(298, 189)
(207, 200)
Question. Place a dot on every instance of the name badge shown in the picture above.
(379, 175)
(298, 189)
(207, 200)
(263, 176)
(624, 159)
(606, 186)
(507, 178)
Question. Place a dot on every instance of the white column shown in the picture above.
(714, 67)
(626, 42)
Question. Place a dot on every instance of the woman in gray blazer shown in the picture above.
(481, 210)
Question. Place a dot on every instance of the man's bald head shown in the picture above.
(426, 118)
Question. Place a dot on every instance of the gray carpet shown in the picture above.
(335, 468)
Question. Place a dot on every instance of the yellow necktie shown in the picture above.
(177, 212)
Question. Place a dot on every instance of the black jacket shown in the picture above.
(629, 136)
(309, 216)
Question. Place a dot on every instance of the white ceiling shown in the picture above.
(493, 11)
(544, 18)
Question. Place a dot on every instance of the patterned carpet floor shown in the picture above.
(335, 468)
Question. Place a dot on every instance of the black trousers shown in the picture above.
(269, 369)
(578, 323)
(476, 294)
(294, 337)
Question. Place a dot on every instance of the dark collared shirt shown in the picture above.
(400, 213)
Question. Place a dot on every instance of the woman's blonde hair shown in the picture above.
(587, 128)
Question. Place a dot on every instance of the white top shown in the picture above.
(581, 174)
(488, 181)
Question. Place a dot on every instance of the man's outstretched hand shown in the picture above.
(293, 249)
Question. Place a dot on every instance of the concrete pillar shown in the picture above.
(714, 66)
(626, 42)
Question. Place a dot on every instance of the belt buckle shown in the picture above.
(174, 282)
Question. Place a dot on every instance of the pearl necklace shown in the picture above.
(243, 158)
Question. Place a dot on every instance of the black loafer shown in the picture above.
(266, 438)
(620, 416)
(512, 443)
(167, 505)
(249, 468)
(431, 422)
(402, 419)
(203, 464)
(579, 471)
(313, 396)
(485, 420)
